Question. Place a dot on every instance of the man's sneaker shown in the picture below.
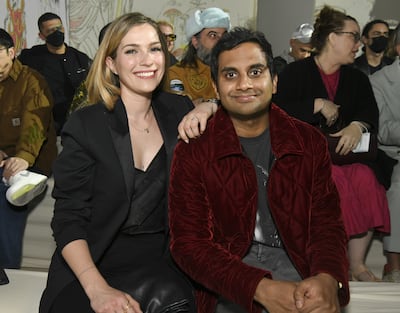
(24, 186)
(390, 275)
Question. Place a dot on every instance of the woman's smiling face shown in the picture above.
(139, 61)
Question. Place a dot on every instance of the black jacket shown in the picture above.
(73, 66)
(362, 64)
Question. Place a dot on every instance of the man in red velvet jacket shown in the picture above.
(254, 214)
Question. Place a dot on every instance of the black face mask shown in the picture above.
(379, 44)
(55, 39)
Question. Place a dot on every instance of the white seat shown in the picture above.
(38, 244)
(22, 294)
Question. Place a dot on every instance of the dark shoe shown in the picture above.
(390, 275)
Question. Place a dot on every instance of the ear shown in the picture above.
(364, 40)
(111, 65)
(215, 89)
(331, 38)
(11, 52)
(41, 36)
(398, 49)
(274, 83)
(195, 42)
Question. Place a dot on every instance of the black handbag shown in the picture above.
(159, 287)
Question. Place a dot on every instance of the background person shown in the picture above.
(299, 47)
(374, 37)
(63, 66)
(191, 76)
(81, 97)
(386, 87)
(27, 141)
(168, 30)
(252, 163)
(338, 100)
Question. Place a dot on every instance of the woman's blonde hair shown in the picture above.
(102, 84)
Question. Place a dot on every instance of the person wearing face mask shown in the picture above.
(375, 36)
(192, 76)
(63, 66)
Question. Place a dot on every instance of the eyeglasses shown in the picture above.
(356, 36)
(171, 37)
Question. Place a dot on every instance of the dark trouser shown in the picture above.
(12, 227)
(274, 260)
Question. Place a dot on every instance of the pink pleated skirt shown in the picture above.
(362, 198)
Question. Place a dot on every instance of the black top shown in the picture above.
(63, 72)
(147, 212)
(362, 64)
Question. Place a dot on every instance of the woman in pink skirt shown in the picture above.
(327, 92)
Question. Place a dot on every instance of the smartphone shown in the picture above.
(3, 277)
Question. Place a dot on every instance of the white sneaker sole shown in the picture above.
(22, 194)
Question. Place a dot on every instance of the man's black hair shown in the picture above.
(235, 37)
(6, 40)
(47, 17)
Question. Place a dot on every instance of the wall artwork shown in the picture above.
(242, 13)
(88, 17)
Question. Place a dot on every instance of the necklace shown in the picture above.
(145, 130)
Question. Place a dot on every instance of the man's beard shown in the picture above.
(204, 54)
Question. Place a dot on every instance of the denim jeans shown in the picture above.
(272, 259)
(12, 227)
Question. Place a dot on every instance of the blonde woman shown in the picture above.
(111, 183)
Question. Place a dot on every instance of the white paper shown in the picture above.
(363, 145)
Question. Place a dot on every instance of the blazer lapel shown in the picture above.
(119, 130)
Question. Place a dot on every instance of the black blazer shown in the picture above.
(94, 179)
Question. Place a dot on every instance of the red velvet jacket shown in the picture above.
(213, 204)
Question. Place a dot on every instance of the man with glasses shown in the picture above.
(375, 36)
(63, 67)
(192, 76)
(168, 30)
